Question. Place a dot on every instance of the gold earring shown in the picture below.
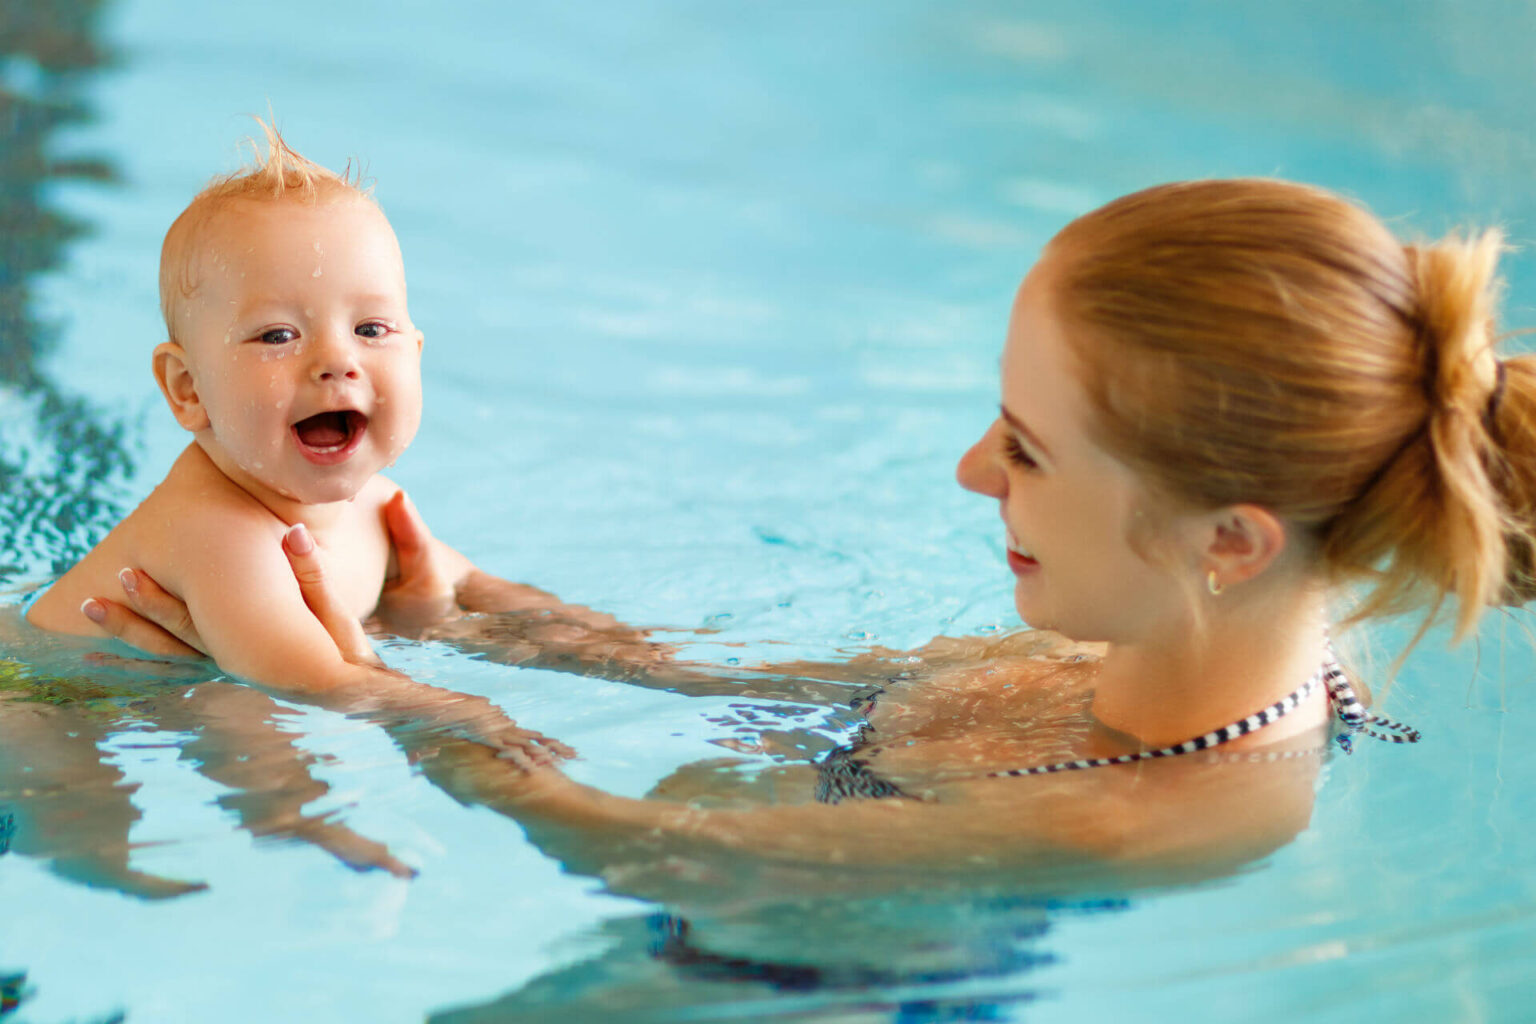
(1210, 584)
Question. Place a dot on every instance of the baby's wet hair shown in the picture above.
(277, 173)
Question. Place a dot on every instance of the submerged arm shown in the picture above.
(238, 743)
(1169, 822)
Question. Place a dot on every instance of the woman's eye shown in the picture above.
(277, 336)
(1016, 453)
(372, 329)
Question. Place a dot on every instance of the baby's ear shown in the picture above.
(176, 384)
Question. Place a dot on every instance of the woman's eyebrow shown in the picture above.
(1028, 435)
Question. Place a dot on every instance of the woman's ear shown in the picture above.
(1241, 541)
(175, 379)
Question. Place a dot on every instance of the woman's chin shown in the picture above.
(1033, 616)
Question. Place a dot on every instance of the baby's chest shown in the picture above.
(355, 563)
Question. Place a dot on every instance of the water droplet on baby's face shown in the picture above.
(316, 273)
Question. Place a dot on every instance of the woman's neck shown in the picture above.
(1242, 658)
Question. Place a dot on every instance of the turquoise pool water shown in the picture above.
(713, 296)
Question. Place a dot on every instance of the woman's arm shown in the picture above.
(1166, 822)
(438, 594)
(1167, 819)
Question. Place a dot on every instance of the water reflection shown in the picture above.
(925, 950)
(59, 453)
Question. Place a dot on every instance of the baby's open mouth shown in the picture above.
(330, 433)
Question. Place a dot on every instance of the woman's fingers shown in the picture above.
(348, 633)
(408, 531)
(421, 571)
(136, 631)
(422, 593)
(156, 622)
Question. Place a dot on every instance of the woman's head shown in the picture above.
(1262, 344)
(1073, 510)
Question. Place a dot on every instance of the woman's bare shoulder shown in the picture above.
(1041, 644)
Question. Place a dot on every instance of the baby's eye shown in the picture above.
(277, 336)
(373, 329)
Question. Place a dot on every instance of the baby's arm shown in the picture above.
(237, 740)
(253, 620)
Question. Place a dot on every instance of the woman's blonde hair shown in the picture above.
(1256, 341)
(279, 173)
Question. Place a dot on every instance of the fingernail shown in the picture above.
(299, 540)
(94, 610)
(129, 580)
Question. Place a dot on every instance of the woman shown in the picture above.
(1222, 402)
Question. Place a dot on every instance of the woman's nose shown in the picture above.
(979, 470)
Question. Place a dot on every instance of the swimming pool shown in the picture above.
(713, 297)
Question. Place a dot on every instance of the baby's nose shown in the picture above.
(333, 360)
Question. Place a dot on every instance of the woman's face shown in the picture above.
(1070, 507)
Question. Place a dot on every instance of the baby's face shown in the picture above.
(302, 351)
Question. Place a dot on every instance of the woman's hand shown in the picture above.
(153, 621)
(158, 622)
(422, 591)
(351, 641)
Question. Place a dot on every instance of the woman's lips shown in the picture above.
(1021, 564)
(1019, 560)
(328, 438)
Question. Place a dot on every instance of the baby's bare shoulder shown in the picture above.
(191, 522)
(196, 503)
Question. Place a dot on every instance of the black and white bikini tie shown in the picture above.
(1341, 696)
(1354, 716)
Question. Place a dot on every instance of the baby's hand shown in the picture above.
(356, 851)
(479, 721)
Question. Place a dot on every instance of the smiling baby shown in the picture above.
(292, 360)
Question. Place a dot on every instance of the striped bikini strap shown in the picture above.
(1340, 695)
(1352, 713)
(1258, 720)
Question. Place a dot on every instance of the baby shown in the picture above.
(292, 360)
